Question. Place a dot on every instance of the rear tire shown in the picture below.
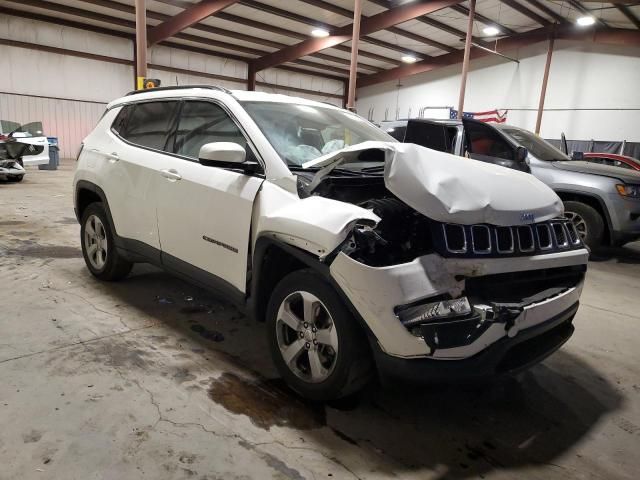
(98, 245)
(318, 348)
(588, 222)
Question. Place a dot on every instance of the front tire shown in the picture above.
(315, 342)
(98, 245)
(588, 222)
(16, 178)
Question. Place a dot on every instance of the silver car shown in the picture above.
(602, 201)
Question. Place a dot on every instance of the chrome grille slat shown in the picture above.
(511, 248)
(574, 236)
(532, 242)
(486, 234)
(560, 235)
(446, 238)
(547, 228)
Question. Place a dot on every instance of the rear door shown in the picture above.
(485, 143)
(131, 156)
(204, 212)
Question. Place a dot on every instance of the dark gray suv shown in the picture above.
(602, 201)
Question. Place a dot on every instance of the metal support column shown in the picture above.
(251, 77)
(353, 67)
(465, 62)
(545, 79)
(141, 43)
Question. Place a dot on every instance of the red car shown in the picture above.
(613, 160)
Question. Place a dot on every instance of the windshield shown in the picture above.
(539, 148)
(301, 133)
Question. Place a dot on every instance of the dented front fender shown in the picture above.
(315, 224)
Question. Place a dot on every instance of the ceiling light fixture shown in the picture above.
(409, 59)
(319, 33)
(586, 21)
(491, 31)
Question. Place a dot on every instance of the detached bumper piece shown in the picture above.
(507, 355)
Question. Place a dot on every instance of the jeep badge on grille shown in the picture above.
(527, 217)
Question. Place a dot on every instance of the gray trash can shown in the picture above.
(54, 155)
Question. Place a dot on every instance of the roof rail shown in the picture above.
(180, 87)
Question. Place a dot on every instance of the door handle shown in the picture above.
(112, 157)
(171, 174)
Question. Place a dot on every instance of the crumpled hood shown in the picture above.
(453, 189)
(580, 166)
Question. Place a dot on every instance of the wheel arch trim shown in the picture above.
(577, 194)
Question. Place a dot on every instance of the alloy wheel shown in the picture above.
(95, 242)
(307, 337)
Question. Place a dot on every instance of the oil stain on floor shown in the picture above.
(46, 251)
(267, 403)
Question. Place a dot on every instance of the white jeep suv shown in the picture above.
(361, 254)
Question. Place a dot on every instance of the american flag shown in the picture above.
(494, 116)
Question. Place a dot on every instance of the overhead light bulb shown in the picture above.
(319, 33)
(409, 59)
(491, 31)
(586, 21)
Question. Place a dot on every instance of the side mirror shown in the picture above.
(577, 156)
(521, 154)
(222, 154)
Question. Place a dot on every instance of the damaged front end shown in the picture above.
(464, 256)
(10, 169)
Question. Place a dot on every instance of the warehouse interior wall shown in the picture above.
(69, 93)
(592, 93)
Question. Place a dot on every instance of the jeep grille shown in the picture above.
(493, 241)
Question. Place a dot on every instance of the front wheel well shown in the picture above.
(274, 263)
(593, 203)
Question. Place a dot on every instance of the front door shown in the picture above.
(484, 143)
(204, 213)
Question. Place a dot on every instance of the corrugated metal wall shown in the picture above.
(69, 120)
(68, 94)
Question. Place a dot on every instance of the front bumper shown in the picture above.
(507, 355)
(375, 292)
(9, 169)
(625, 218)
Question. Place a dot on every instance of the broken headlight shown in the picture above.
(434, 311)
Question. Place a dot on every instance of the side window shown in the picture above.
(205, 122)
(397, 132)
(483, 140)
(426, 134)
(120, 123)
(618, 163)
(148, 124)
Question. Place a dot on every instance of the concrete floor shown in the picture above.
(154, 378)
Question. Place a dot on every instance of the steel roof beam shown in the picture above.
(100, 17)
(615, 36)
(186, 18)
(526, 12)
(340, 35)
(482, 19)
(543, 8)
(629, 14)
